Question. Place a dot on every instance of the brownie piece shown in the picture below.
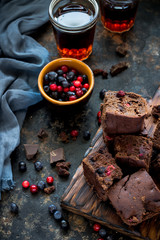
(100, 171)
(155, 167)
(135, 197)
(57, 155)
(122, 113)
(118, 68)
(30, 150)
(156, 111)
(133, 151)
(156, 137)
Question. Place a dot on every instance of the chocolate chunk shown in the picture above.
(30, 150)
(42, 133)
(64, 137)
(118, 68)
(156, 111)
(122, 50)
(97, 72)
(63, 172)
(57, 155)
(65, 165)
(49, 190)
(105, 74)
(62, 168)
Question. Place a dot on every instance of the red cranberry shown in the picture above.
(74, 133)
(64, 68)
(50, 180)
(72, 98)
(72, 88)
(86, 85)
(77, 83)
(25, 184)
(79, 93)
(96, 227)
(53, 87)
(78, 88)
(79, 78)
(121, 93)
(33, 188)
(66, 89)
(59, 88)
(99, 114)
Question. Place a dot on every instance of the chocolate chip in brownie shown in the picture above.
(30, 150)
(57, 155)
(118, 68)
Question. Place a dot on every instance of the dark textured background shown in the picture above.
(33, 221)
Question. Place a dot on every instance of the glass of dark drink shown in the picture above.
(74, 23)
(118, 15)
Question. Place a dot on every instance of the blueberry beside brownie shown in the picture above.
(100, 171)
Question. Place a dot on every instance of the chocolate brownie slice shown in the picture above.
(100, 171)
(156, 137)
(133, 151)
(156, 111)
(135, 198)
(122, 113)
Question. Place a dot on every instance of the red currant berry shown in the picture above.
(96, 227)
(79, 93)
(64, 68)
(72, 98)
(78, 88)
(86, 85)
(53, 87)
(80, 78)
(59, 88)
(121, 93)
(72, 88)
(25, 184)
(65, 89)
(99, 114)
(50, 180)
(77, 83)
(74, 133)
(33, 188)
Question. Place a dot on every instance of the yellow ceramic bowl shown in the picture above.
(80, 66)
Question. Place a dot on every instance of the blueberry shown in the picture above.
(60, 72)
(46, 79)
(102, 93)
(69, 93)
(57, 215)
(70, 76)
(41, 185)
(102, 232)
(14, 208)
(52, 76)
(64, 224)
(52, 208)
(59, 99)
(61, 79)
(85, 78)
(22, 166)
(54, 95)
(46, 89)
(38, 166)
(65, 84)
(84, 90)
(86, 135)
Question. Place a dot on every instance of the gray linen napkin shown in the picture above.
(21, 59)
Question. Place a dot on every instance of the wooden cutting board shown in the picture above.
(80, 198)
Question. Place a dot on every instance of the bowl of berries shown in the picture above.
(66, 82)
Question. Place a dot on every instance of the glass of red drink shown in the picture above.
(74, 23)
(118, 15)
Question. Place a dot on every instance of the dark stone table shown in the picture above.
(33, 221)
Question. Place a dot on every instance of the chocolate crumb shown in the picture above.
(64, 137)
(97, 72)
(62, 168)
(118, 68)
(122, 50)
(49, 190)
(42, 133)
(105, 74)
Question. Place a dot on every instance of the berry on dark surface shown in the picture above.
(50, 180)
(121, 93)
(53, 87)
(74, 133)
(85, 78)
(86, 135)
(65, 84)
(99, 114)
(52, 208)
(64, 68)
(61, 79)
(38, 166)
(96, 227)
(52, 76)
(22, 166)
(64, 224)
(102, 93)
(41, 185)
(46, 88)
(86, 85)
(72, 98)
(84, 90)
(60, 72)
(77, 83)
(14, 208)
(70, 76)
(25, 184)
(33, 189)
(57, 215)
(102, 232)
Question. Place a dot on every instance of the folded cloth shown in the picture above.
(21, 59)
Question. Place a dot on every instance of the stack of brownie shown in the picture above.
(120, 171)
